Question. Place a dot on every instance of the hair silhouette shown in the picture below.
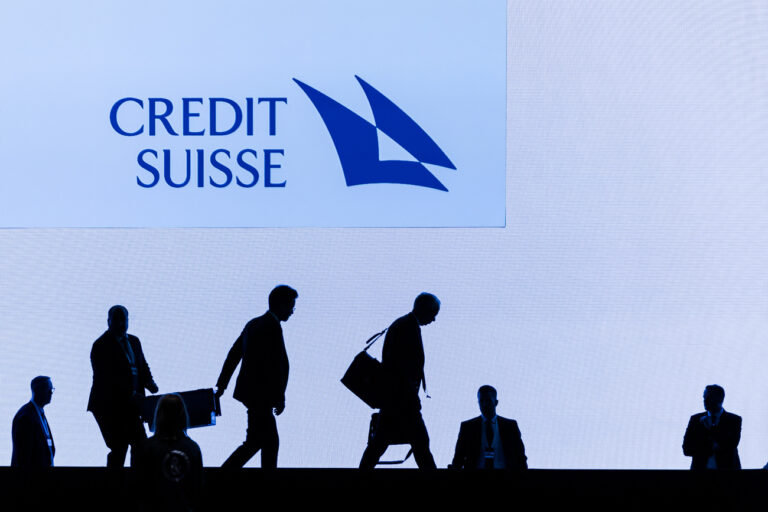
(171, 417)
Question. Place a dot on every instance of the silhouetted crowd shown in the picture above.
(170, 463)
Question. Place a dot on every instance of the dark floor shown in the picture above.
(65, 488)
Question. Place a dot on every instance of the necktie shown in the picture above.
(490, 454)
(45, 424)
(127, 349)
(489, 432)
(47, 431)
(131, 361)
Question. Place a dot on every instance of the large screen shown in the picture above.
(598, 238)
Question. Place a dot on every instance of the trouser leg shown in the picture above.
(116, 456)
(420, 444)
(378, 441)
(261, 435)
(270, 441)
(240, 456)
(119, 430)
(373, 452)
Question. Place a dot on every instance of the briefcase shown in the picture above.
(202, 407)
(394, 435)
(365, 376)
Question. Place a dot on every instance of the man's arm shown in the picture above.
(400, 355)
(230, 363)
(694, 443)
(728, 438)
(518, 448)
(101, 372)
(460, 454)
(104, 376)
(284, 370)
(145, 375)
(21, 434)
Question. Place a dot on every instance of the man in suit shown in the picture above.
(402, 361)
(712, 436)
(262, 379)
(32, 439)
(120, 376)
(489, 441)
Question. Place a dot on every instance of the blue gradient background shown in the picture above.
(630, 273)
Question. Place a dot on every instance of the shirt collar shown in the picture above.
(717, 414)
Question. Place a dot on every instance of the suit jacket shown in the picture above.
(263, 374)
(699, 441)
(30, 445)
(469, 453)
(402, 360)
(113, 385)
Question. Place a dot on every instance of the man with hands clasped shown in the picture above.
(712, 436)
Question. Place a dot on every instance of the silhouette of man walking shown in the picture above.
(120, 376)
(402, 360)
(262, 379)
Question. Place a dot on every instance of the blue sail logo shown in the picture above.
(357, 143)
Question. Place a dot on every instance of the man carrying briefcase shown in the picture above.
(402, 361)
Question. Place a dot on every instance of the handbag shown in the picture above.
(365, 376)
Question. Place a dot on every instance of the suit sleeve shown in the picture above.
(106, 387)
(230, 363)
(460, 454)
(728, 439)
(99, 363)
(145, 376)
(521, 461)
(400, 358)
(22, 440)
(693, 443)
(285, 368)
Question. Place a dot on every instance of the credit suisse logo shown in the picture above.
(164, 122)
(357, 145)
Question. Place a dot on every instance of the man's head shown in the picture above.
(486, 399)
(713, 398)
(117, 320)
(42, 390)
(425, 308)
(282, 300)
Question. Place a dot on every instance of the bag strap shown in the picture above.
(373, 339)
(368, 344)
